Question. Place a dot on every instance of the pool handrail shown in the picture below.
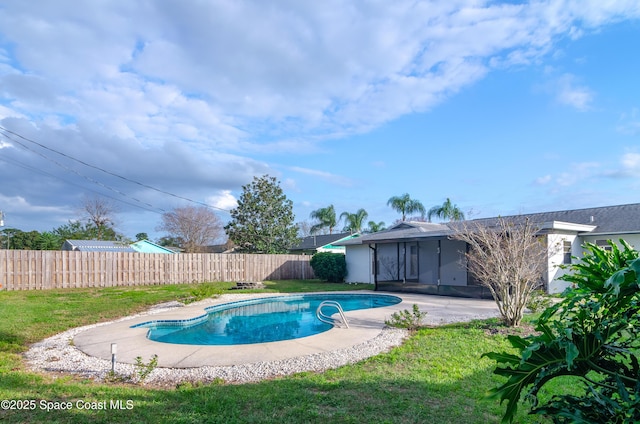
(329, 320)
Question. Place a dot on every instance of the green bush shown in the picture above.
(330, 267)
(143, 370)
(204, 291)
(538, 301)
(592, 336)
(411, 320)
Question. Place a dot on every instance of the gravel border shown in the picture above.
(57, 354)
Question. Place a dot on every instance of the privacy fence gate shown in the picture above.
(47, 269)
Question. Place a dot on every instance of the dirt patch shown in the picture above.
(523, 330)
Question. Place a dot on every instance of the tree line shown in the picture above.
(262, 222)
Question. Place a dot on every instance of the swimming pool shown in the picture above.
(260, 320)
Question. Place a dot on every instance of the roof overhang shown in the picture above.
(614, 233)
(551, 226)
(402, 232)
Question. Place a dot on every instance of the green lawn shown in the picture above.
(437, 376)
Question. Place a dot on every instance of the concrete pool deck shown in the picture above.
(364, 325)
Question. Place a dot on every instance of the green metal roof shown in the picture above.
(145, 246)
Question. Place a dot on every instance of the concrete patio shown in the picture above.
(364, 325)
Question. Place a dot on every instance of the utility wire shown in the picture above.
(40, 171)
(79, 174)
(105, 171)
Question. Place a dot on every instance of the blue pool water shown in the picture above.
(260, 320)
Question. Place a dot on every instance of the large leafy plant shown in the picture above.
(593, 335)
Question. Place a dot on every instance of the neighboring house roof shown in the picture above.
(334, 246)
(220, 248)
(326, 241)
(145, 246)
(96, 246)
(607, 220)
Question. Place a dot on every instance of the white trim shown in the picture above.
(568, 226)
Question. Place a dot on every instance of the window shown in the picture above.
(566, 249)
(604, 244)
(413, 261)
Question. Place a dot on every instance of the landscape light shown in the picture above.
(114, 350)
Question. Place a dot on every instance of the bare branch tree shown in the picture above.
(304, 228)
(508, 258)
(388, 269)
(99, 212)
(195, 226)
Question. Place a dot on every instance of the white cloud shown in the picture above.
(4, 144)
(290, 184)
(181, 95)
(571, 93)
(319, 67)
(578, 172)
(18, 205)
(327, 176)
(630, 166)
(629, 123)
(566, 89)
(631, 161)
(544, 180)
(223, 200)
(170, 166)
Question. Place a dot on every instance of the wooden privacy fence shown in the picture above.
(42, 270)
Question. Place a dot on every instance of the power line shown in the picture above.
(40, 171)
(104, 170)
(80, 175)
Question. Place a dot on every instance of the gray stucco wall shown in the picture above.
(452, 270)
(428, 254)
(388, 263)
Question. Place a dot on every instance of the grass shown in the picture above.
(436, 376)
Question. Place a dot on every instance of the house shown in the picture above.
(146, 246)
(420, 257)
(142, 246)
(96, 246)
(321, 243)
(227, 247)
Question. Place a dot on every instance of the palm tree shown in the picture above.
(374, 227)
(447, 211)
(354, 221)
(327, 218)
(405, 205)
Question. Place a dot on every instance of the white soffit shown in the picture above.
(568, 226)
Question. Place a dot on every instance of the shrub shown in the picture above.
(593, 335)
(143, 370)
(330, 267)
(538, 301)
(508, 259)
(411, 320)
(204, 291)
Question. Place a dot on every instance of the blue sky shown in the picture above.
(504, 107)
